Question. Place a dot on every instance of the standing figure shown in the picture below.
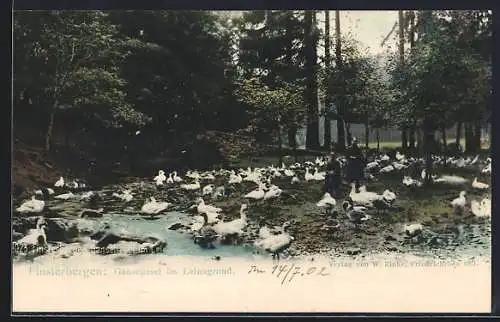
(332, 178)
(355, 164)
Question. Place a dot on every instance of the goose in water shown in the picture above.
(481, 209)
(256, 194)
(65, 196)
(59, 183)
(176, 177)
(275, 244)
(479, 185)
(208, 189)
(234, 227)
(32, 205)
(413, 229)
(35, 238)
(191, 186)
(153, 207)
(459, 203)
(126, 195)
(91, 213)
(160, 178)
(204, 208)
(206, 235)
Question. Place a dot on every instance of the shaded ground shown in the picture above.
(445, 231)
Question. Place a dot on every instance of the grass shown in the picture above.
(397, 144)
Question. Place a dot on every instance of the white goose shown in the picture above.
(160, 178)
(154, 207)
(460, 201)
(44, 191)
(308, 176)
(409, 182)
(170, 179)
(387, 169)
(65, 196)
(453, 180)
(235, 178)
(487, 169)
(275, 244)
(273, 192)
(327, 200)
(479, 185)
(399, 156)
(208, 189)
(412, 229)
(389, 196)
(32, 205)
(35, 237)
(191, 186)
(256, 194)
(364, 198)
(319, 176)
(176, 177)
(232, 227)
(204, 208)
(289, 173)
(59, 183)
(125, 196)
(295, 180)
(481, 209)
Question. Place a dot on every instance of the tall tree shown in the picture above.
(339, 100)
(311, 95)
(401, 47)
(327, 127)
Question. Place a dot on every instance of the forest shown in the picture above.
(220, 86)
(134, 128)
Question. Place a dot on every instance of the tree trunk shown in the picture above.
(404, 140)
(292, 140)
(280, 146)
(378, 140)
(420, 140)
(458, 136)
(469, 146)
(412, 138)
(312, 135)
(50, 127)
(428, 147)
(367, 134)
(340, 104)
(327, 127)
(445, 141)
(477, 137)
(348, 132)
(401, 47)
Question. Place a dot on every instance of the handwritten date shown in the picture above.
(288, 272)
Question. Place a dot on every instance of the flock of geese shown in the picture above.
(207, 226)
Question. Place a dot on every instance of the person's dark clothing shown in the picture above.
(332, 178)
(355, 164)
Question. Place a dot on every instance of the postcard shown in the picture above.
(318, 161)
